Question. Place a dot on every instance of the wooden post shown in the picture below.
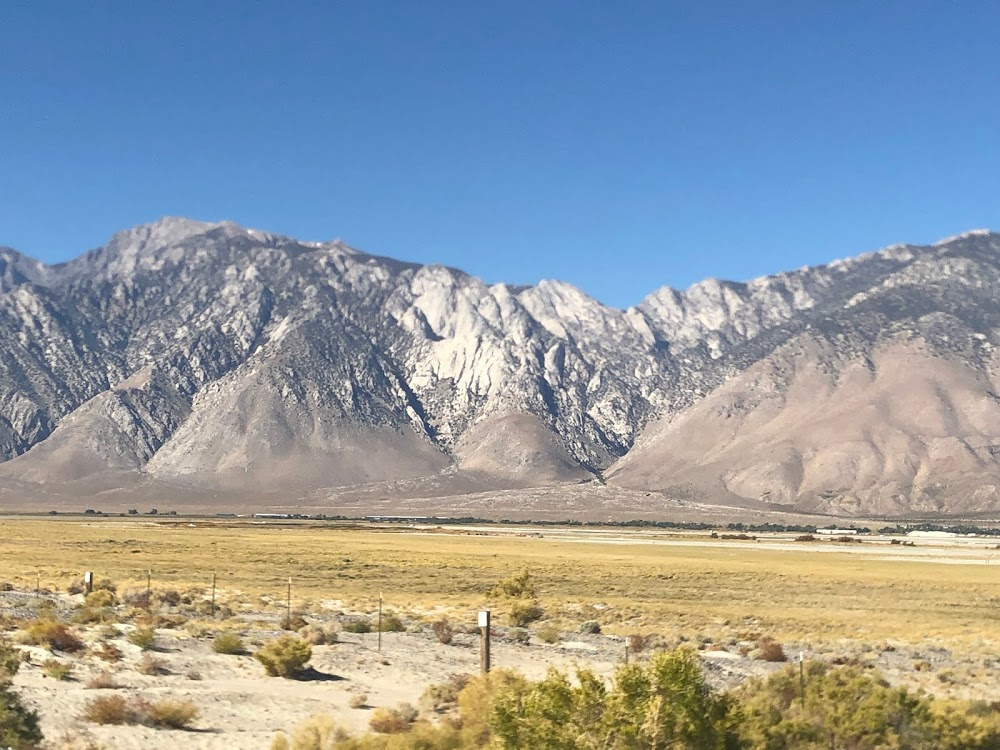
(88, 581)
(802, 679)
(213, 594)
(379, 621)
(484, 641)
(288, 606)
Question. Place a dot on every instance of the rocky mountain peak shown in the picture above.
(210, 356)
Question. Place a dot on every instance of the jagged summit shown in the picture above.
(209, 357)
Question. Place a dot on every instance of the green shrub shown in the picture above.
(316, 733)
(392, 720)
(285, 656)
(90, 616)
(58, 670)
(549, 633)
(520, 586)
(100, 598)
(144, 638)
(665, 703)
(440, 698)
(10, 661)
(392, 624)
(228, 643)
(853, 708)
(358, 625)
(18, 724)
(523, 613)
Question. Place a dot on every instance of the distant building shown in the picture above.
(837, 532)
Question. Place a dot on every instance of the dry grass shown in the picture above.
(151, 666)
(792, 595)
(107, 709)
(392, 720)
(168, 713)
(56, 636)
(102, 681)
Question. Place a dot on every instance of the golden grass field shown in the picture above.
(632, 587)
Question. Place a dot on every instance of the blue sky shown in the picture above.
(617, 146)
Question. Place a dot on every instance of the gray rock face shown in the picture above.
(208, 355)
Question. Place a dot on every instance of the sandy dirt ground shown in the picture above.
(243, 708)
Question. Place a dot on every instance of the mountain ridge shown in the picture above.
(211, 354)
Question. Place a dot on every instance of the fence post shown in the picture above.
(379, 621)
(802, 679)
(88, 581)
(484, 641)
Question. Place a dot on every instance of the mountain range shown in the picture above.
(208, 359)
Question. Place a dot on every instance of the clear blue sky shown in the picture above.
(617, 146)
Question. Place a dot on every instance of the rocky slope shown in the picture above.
(208, 357)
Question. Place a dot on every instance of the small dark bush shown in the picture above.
(152, 666)
(637, 643)
(56, 636)
(107, 709)
(358, 625)
(296, 623)
(443, 631)
(392, 624)
(523, 613)
(771, 650)
(103, 681)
